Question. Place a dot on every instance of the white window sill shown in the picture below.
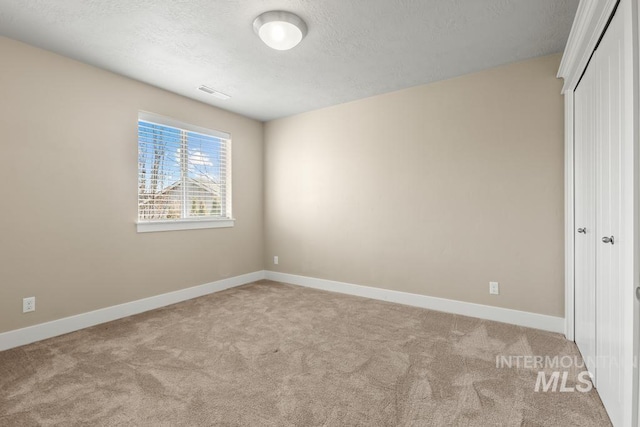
(183, 224)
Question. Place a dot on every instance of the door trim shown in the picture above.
(569, 216)
(591, 19)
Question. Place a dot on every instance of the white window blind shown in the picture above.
(183, 172)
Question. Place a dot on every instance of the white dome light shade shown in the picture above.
(280, 30)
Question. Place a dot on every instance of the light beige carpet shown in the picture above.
(269, 354)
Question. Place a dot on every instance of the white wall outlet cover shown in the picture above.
(275, 260)
(28, 304)
(494, 288)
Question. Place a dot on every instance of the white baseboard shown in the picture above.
(54, 328)
(505, 315)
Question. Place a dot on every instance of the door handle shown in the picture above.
(582, 230)
(607, 240)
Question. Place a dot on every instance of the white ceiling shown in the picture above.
(354, 49)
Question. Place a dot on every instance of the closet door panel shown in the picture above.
(610, 325)
(585, 218)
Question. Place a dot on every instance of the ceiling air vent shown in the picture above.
(211, 91)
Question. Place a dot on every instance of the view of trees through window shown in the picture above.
(181, 174)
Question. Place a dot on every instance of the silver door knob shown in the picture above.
(582, 230)
(607, 240)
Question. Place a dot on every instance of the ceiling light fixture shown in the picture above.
(212, 91)
(280, 30)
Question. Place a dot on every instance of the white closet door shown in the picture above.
(610, 326)
(585, 218)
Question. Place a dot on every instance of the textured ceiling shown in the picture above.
(354, 49)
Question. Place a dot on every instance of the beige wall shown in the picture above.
(68, 170)
(434, 190)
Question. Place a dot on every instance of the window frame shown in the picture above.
(145, 226)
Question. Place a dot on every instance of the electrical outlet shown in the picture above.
(275, 260)
(494, 288)
(28, 304)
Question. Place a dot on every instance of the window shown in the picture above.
(184, 175)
